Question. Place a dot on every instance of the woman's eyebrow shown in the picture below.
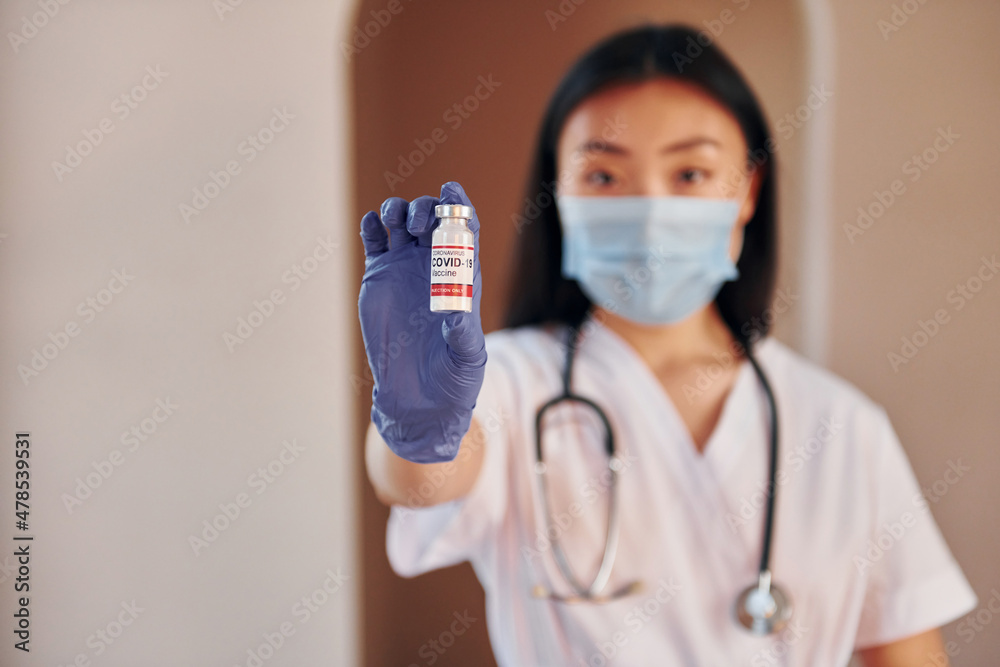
(601, 146)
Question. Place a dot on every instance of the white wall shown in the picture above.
(161, 336)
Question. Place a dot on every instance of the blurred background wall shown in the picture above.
(915, 91)
(168, 170)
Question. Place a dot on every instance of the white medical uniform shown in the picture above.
(855, 545)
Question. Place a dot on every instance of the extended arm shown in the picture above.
(400, 482)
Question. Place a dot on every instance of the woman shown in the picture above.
(650, 274)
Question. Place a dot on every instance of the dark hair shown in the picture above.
(539, 293)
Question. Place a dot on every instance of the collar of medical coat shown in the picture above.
(592, 323)
(606, 358)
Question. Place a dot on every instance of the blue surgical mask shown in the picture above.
(654, 260)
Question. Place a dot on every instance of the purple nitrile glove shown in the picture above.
(428, 367)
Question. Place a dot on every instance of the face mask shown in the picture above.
(654, 260)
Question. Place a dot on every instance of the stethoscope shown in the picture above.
(762, 608)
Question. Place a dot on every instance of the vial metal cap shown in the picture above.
(453, 211)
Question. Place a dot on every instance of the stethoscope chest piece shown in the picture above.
(763, 608)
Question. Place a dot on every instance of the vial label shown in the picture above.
(452, 270)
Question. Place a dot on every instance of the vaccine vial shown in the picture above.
(452, 248)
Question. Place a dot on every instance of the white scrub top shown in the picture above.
(855, 545)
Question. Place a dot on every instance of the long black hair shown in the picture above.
(539, 293)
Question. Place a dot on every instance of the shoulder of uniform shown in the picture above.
(802, 376)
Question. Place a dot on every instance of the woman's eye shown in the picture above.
(599, 178)
(692, 176)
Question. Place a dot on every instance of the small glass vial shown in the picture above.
(452, 257)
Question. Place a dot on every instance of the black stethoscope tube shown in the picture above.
(765, 556)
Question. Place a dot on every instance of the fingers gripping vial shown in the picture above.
(427, 368)
(452, 260)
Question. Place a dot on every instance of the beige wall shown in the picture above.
(939, 70)
(890, 96)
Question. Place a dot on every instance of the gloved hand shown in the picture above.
(428, 367)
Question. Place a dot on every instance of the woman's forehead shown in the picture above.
(648, 115)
